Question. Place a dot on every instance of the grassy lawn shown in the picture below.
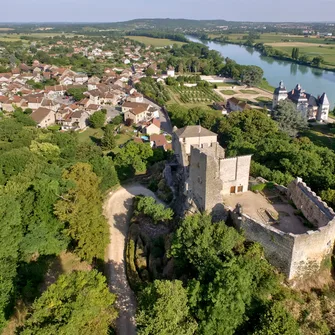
(248, 91)
(321, 135)
(266, 86)
(226, 84)
(228, 92)
(90, 135)
(156, 42)
(123, 138)
(263, 99)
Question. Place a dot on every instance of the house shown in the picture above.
(136, 114)
(34, 102)
(44, 117)
(135, 97)
(130, 105)
(170, 71)
(75, 120)
(80, 78)
(51, 104)
(153, 127)
(92, 108)
(220, 106)
(67, 80)
(234, 104)
(159, 141)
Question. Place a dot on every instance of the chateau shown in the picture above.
(308, 105)
(295, 227)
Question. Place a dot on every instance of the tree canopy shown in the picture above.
(163, 310)
(78, 303)
(98, 119)
(289, 119)
(81, 209)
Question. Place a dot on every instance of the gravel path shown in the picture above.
(118, 211)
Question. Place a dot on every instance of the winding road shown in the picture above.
(118, 211)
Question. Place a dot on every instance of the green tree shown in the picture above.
(150, 72)
(148, 206)
(108, 141)
(134, 156)
(289, 119)
(252, 75)
(317, 61)
(163, 310)
(204, 244)
(78, 303)
(328, 196)
(81, 209)
(11, 233)
(277, 321)
(103, 167)
(77, 92)
(98, 119)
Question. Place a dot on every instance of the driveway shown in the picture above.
(118, 211)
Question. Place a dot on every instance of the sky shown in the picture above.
(122, 10)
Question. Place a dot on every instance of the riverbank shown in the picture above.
(271, 51)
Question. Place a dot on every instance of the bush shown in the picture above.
(149, 207)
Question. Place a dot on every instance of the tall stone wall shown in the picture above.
(296, 255)
(314, 209)
(311, 249)
(278, 246)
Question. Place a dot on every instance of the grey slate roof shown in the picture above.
(193, 131)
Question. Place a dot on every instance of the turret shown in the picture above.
(323, 108)
(279, 94)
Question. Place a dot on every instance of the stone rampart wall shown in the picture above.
(314, 209)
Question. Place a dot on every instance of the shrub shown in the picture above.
(149, 207)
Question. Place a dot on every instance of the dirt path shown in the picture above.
(118, 211)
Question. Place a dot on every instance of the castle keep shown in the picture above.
(208, 175)
(295, 227)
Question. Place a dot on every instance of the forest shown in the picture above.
(52, 190)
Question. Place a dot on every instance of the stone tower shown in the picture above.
(279, 94)
(323, 108)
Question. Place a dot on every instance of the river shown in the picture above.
(314, 81)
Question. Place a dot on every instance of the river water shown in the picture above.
(314, 81)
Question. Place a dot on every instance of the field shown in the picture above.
(156, 42)
(277, 38)
(10, 37)
(310, 50)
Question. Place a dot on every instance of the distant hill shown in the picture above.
(169, 24)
